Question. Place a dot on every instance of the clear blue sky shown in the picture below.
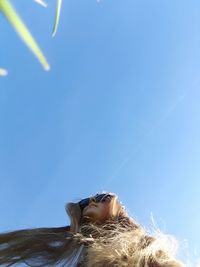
(119, 111)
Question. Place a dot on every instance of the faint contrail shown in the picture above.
(165, 116)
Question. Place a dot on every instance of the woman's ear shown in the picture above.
(74, 212)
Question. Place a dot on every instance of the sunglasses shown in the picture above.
(98, 198)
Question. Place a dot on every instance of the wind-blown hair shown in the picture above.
(42, 246)
(130, 247)
(118, 242)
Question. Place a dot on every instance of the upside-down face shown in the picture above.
(101, 207)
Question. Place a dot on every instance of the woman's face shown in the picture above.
(101, 211)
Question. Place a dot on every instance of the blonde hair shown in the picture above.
(130, 247)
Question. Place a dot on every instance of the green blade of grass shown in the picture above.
(58, 9)
(23, 31)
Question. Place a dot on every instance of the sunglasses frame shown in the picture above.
(98, 198)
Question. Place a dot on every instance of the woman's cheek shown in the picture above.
(105, 211)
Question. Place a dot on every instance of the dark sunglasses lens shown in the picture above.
(84, 202)
(103, 197)
(98, 198)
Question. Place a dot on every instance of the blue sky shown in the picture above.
(119, 111)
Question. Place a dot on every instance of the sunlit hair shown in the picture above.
(119, 241)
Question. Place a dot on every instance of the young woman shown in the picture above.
(101, 234)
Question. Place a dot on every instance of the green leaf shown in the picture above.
(23, 31)
(58, 9)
